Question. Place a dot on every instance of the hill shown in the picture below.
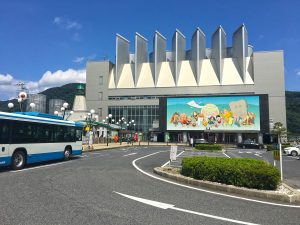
(293, 111)
(67, 92)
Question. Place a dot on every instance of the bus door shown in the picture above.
(4, 142)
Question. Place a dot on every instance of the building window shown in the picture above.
(101, 80)
(100, 96)
(100, 111)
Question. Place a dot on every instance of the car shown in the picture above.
(199, 141)
(294, 151)
(250, 144)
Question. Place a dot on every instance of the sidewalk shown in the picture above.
(103, 146)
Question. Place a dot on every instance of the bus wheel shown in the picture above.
(67, 154)
(18, 160)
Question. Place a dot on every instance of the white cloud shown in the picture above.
(78, 60)
(60, 77)
(5, 79)
(67, 23)
(261, 36)
(8, 88)
(298, 72)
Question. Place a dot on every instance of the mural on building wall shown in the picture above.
(213, 113)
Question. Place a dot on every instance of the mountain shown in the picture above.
(67, 92)
(293, 111)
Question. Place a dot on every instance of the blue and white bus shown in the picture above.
(33, 137)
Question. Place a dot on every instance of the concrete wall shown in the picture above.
(269, 79)
(93, 71)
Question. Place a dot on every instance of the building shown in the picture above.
(55, 105)
(142, 86)
(39, 100)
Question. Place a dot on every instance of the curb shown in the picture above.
(294, 197)
(121, 146)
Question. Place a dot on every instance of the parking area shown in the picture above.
(291, 165)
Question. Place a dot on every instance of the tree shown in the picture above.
(279, 130)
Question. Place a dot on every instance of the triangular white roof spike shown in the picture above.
(146, 78)
(126, 79)
(186, 76)
(165, 78)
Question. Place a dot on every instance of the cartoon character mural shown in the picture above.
(227, 115)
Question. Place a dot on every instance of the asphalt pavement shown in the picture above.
(119, 187)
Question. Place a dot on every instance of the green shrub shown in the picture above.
(276, 147)
(241, 172)
(285, 145)
(210, 147)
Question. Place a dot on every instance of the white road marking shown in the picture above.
(249, 152)
(203, 190)
(241, 152)
(162, 205)
(169, 160)
(166, 164)
(258, 155)
(37, 167)
(130, 154)
(226, 155)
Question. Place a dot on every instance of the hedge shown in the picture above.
(241, 172)
(208, 147)
(275, 147)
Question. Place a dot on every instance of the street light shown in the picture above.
(32, 106)
(89, 120)
(108, 121)
(10, 106)
(131, 127)
(64, 108)
(21, 97)
(120, 124)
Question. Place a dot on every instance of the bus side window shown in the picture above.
(78, 134)
(58, 134)
(4, 131)
(69, 134)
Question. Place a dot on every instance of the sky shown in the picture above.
(47, 43)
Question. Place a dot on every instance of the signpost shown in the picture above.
(173, 153)
(276, 156)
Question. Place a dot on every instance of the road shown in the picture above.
(119, 187)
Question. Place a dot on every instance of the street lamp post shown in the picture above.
(131, 126)
(22, 96)
(120, 124)
(89, 120)
(109, 119)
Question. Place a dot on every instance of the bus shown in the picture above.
(32, 137)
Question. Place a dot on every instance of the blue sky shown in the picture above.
(47, 43)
